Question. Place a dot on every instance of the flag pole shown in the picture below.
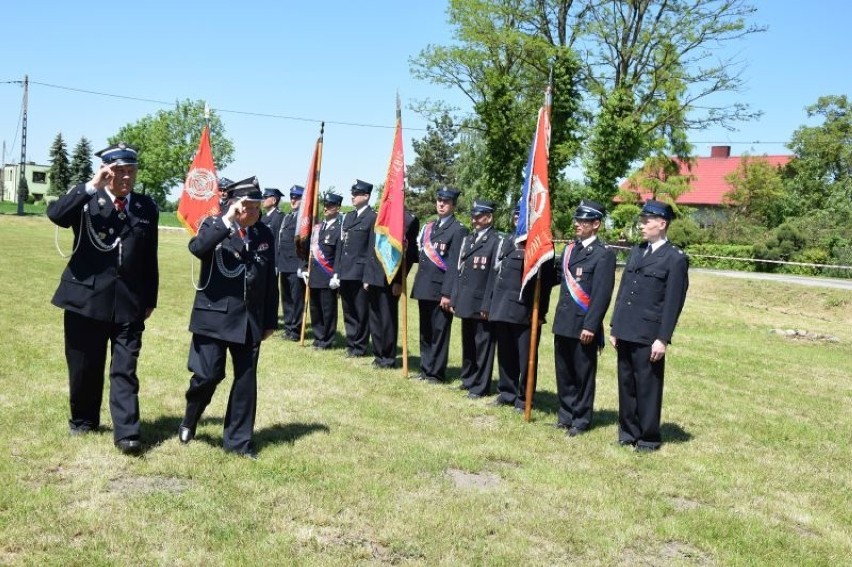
(532, 367)
(404, 265)
(314, 217)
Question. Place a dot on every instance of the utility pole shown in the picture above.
(23, 180)
(3, 176)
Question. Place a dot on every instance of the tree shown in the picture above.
(167, 142)
(822, 168)
(60, 172)
(81, 162)
(757, 192)
(635, 70)
(502, 66)
(434, 166)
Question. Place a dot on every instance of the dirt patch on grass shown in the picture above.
(803, 335)
(358, 545)
(671, 553)
(476, 481)
(681, 503)
(126, 484)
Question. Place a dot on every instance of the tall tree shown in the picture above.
(60, 172)
(822, 167)
(636, 68)
(81, 162)
(434, 166)
(167, 142)
(757, 192)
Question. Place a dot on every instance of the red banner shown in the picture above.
(200, 196)
(536, 215)
(390, 220)
(307, 208)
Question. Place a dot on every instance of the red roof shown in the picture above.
(708, 185)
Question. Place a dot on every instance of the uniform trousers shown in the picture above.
(384, 324)
(640, 394)
(324, 316)
(85, 351)
(477, 356)
(356, 306)
(435, 328)
(207, 358)
(292, 303)
(576, 369)
(513, 353)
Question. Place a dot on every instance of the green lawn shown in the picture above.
(360, 466)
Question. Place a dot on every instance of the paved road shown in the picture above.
(786, 278)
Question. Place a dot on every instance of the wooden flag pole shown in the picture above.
(531, 361)
(314, 217)
(404, 299)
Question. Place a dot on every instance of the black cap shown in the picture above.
(272, 192)
(224, 182)
(119, 154)
(247, 188)
(296, 192)
(589, 210)
(481, 207)
(332, 199)
(362, 188)
(449, 194)
(653, 208)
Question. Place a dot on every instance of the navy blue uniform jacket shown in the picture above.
(116, 285)
(651, 295)
(234, 309)
(593, 268)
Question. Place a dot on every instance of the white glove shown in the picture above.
(334, 282)
(302, 274)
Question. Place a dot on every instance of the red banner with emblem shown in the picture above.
(308, 207)
(200, 196)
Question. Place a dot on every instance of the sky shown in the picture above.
(334, 61)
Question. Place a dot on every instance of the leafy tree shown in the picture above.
(660, 177)
(60, 172)
(637, 69)
(822, 168)
(434, 166)
(168, 140)
(757, 192)
(81, 162)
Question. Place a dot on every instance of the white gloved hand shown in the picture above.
(300, 273)
(334, 282)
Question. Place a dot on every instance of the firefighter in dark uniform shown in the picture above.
(349, 269)
(649, 301)
(439, 244)
(383, 298)
(290, 267)
(108, 290)
(510, 315)
(271, 215)
(470, 302)
(587, 276)
(324, 243)
(235, 308)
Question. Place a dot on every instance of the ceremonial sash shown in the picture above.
(319, 257)
(580, 297)
(430, 250)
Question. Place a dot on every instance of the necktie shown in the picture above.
(647, 251)
(242, 233)
(119, 204)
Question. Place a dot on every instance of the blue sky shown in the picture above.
(341, 62)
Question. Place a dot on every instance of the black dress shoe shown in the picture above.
(433, 380)
(575, 431)
(250, 454)
(463, 387)
(560, 425)
(129, 446)
(185, 434)
(498, 401)
(473, 396)
(625, 443)
(645, 449)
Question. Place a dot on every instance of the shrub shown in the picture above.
(697, 256)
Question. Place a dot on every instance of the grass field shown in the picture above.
(362, 466)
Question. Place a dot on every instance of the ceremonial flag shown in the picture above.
(390, 220)
(308, 207)
(535, 215)
(200, 196)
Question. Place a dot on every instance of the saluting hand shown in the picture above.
(102, 176)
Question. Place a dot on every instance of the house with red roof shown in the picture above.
(707, 180)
